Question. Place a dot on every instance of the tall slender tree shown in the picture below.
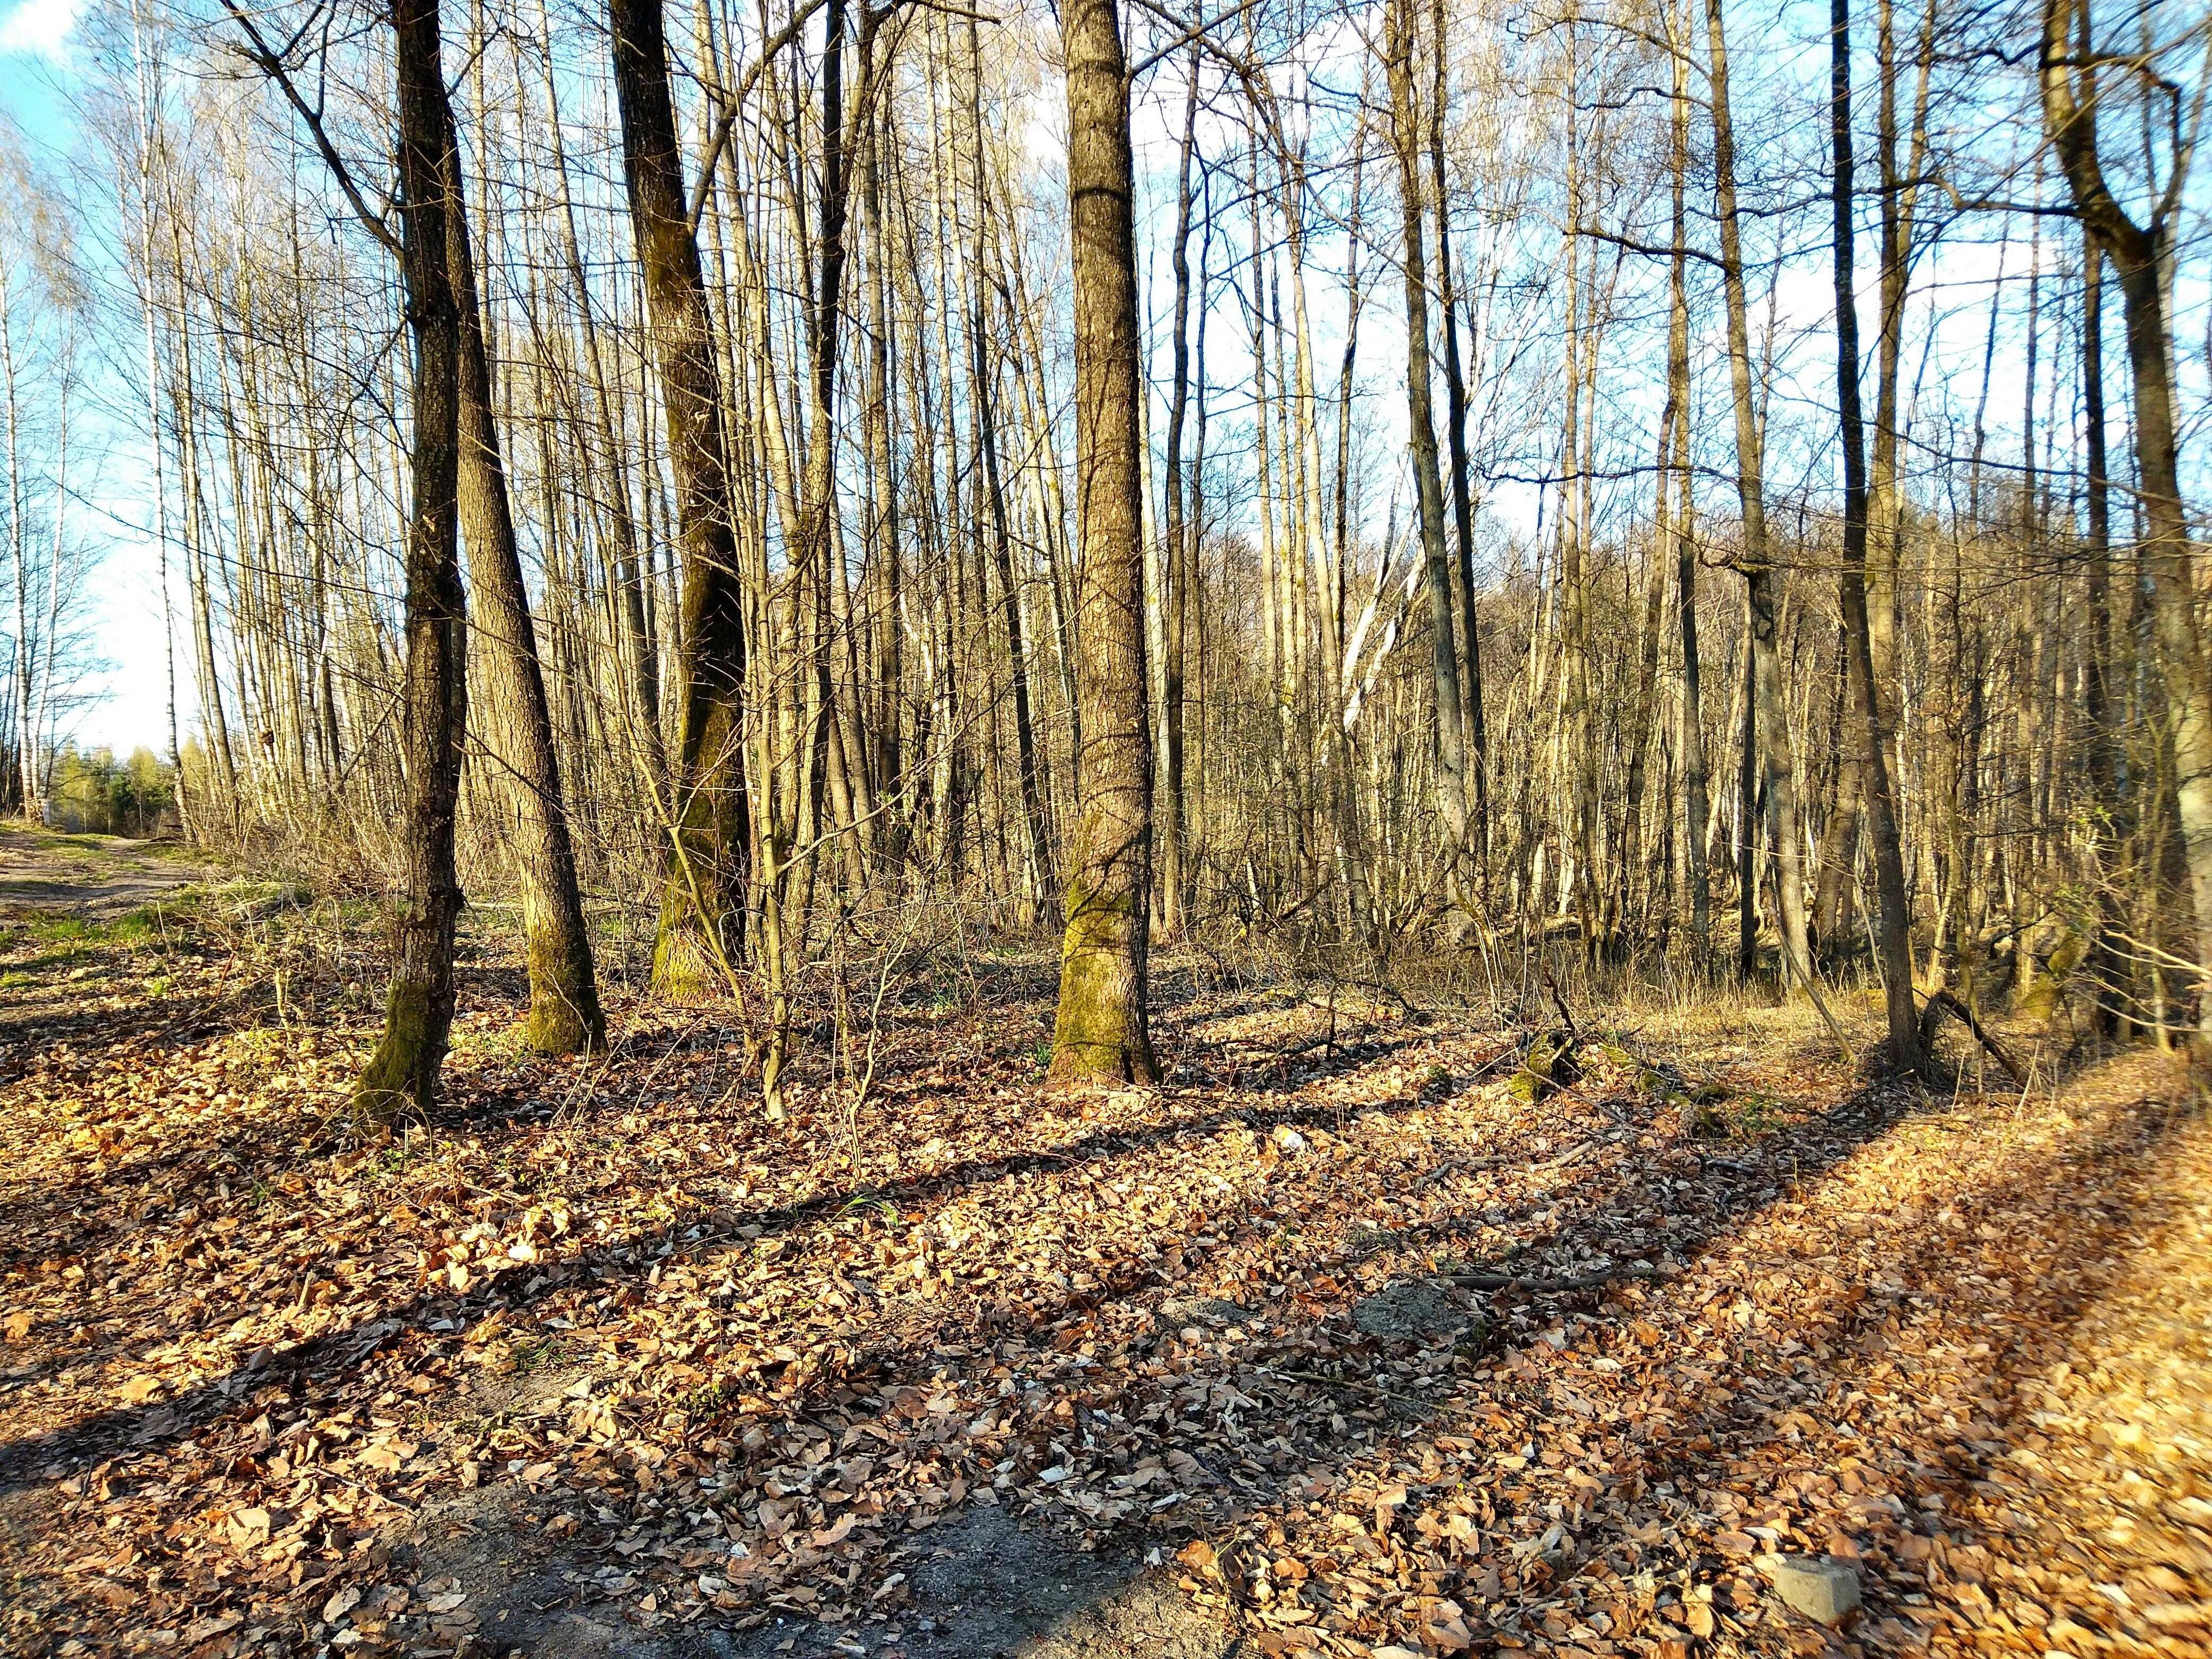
(564, 996)
(419, 1005)
(1428, 488)
(1767, 718)
(1103, 1032)
(707, 820)
(1893, 923)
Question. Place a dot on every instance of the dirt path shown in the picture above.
(74, 909)
(90, 878)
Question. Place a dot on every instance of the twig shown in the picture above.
(1327, 1382)
(1574, 1031)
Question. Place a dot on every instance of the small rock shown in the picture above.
(1414, 1311)
(1818, 1586)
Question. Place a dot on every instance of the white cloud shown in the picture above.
(40, 28)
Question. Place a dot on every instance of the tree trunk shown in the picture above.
(1102, 1034)
(1768, 720)
(419, 1007)
(1406, 136)
(706, 820)
(1746, 820)
(1474, 725)
(629, 602)
(2107, 966)
(1893, 936)
(2139, 255)
(1027, 767)
(1179, 534)
(564, 995)
(1681, 525)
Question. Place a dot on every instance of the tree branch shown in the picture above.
(271, 64)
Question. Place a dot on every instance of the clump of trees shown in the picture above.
(91, 790)
(1463, 490)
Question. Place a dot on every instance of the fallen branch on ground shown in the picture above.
(1944, 1002)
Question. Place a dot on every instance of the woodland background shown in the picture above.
(1564, 652)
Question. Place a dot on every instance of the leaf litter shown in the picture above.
(1343, 1345)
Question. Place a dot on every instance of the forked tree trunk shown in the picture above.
(707, 816)
(419, 1006)
(1102, 1034)
(1893, 919)
(1405, 138)
(2139, 255)
(564, 994)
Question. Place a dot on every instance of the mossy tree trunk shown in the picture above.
(707, 813)
(564, 994)
(1101, 1034)
(419, 1007)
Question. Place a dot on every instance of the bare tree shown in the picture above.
(2141, 255)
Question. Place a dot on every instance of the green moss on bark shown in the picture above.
(1101, 1035)
(565, 1016)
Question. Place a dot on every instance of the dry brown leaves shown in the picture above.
(701, 1370)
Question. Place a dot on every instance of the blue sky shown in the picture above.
(39, 83)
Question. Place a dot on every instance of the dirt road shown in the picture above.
(92, 878)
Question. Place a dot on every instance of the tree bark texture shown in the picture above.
(403, 1073)
(1102, 1034)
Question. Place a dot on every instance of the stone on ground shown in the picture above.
(1818, 1586)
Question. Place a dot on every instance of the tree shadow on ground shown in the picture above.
(29, 1029)
(1608, 1186)
(1658, 1465)
(630, 1258)
(1841, 1325)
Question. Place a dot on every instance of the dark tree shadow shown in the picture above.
(24, 1460)
(1598, 1210)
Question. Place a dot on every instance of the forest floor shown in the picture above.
(599, 1361)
